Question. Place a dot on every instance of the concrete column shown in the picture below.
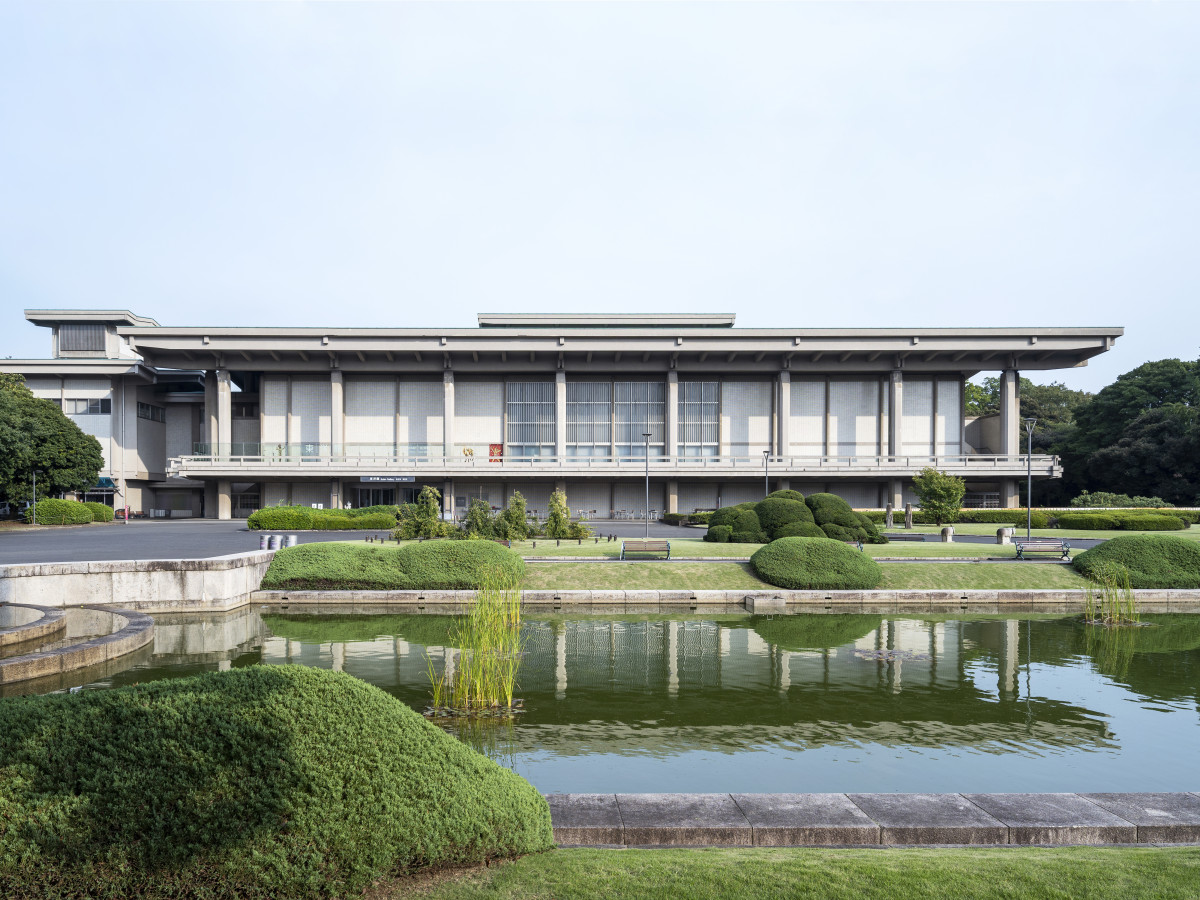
(671, 438)
(1010, 413)
(672, 496)
(337, 417)
(896, 494)
(895, 413)
(560, 414)
(783, 415)
(448, 498)
(335, 494)
(224, 409)
(224, 499)
(210, 409)
(448, 413)
(1009, 499)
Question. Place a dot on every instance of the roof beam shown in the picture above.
(845, 356)
(362, 357)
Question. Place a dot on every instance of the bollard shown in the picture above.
(262, 542)
(948, 534)
(1004, 535)
(273, 542)
(291, 541)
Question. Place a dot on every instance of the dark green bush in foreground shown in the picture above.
(101, 512)
(429, 565)
(272, 781)
(1153, 560)
(800, 563)
(60, 512)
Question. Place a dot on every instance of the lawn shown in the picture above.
(719, 576)
(1082, 873)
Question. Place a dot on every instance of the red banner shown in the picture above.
(495, 453)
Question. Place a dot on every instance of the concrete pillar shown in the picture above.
(336, 496)
(783, 416)
(448, 498)
(224, 499)
(224, 409)
(1009, 498)
(896, 493)
(337, 417)
(210, 410)
(672, 496)
(448, 413)
(1010, 413)
(671, 438)
(560, 414)
(895, 445)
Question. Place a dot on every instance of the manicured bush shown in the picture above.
(698, 518)
(429, 565)
(673, 518)
(1109, 500)
(745, 520)
(825, 506)
(799, 529)
(799, 563)
(785, 495)
(101, 512)
(718, 534)
(304, 518)
(777, 511)
(269, 781)
(59, 512)
(725, 515)
(1014, 517)
(815, 631)
(1083, 521)
(1152, 523)
(1153, 560)
(281, 518)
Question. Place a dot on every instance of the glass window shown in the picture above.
(530, 407)
(699, 411)
(87, 407)
(589, 418)
(151, 412)
(639, 407)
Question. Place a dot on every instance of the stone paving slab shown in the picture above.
(1160, 818)
(1055, 819)
(806, 820)
(930, 819)
(683, 820)
(586, 820)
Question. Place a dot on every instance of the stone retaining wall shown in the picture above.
(158, 585)
(130, 631)
(23, 624)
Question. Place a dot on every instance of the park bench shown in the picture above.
(645, 547)
(1042, 545)
(505, 543)
(857, 544)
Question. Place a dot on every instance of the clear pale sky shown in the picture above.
(414, 164)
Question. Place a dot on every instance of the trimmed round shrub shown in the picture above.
(745, 520)
(725, 515)
(1153, 560)
(785, 495)
(1152, 523)
(826, 506)
(748, 537)
(1088, 521)
(59, 512)
(718, 534)
(814, 631)
(458, 565)
(776, 511)
(280, 518)
(839, 532)
(799, 529)
(799, 563)
(268, 781)
(101, 512)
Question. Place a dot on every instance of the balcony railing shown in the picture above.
(428, 458)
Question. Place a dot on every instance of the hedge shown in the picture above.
(815, 631)
(1153, 560)
(718, 534)
(101, 512)
(429, 565)
(1083, 521)
(1152, 523)
(59, 512)
(673, 518)
(261, 782)
(1121, 519)
(799, 529)
(777, 511)
(800, 563)
(697, 518)
(302, 518)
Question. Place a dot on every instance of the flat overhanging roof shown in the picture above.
(51, 317)
(600, 320)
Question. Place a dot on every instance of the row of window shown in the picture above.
(86, 406)
(151, 412)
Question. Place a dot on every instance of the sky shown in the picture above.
(801, 165)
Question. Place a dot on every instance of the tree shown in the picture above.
(982, 400)
(1158, 456)
(940, 494)
(558, 523)
(423, 519)
(1103, 420)
(479, 522)
(513, 523)
(36, 436)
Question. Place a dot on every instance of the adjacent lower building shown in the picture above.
(220, 421)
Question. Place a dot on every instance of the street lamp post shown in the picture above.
(646, 510)
(766, 472)
(1029, 423)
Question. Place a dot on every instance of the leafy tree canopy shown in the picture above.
(940, 494)
(1158, 455)
(1152, 385)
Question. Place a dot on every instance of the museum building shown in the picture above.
(220, 421)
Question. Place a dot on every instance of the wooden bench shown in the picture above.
(857, 544)
(646, 547)
(1042, 545)
(504, 542)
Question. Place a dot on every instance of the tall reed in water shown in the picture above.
(1109, 600)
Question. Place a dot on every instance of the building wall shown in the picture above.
(421, 416)
(807, 420)
(745, 417)
(478, 416)
(151, 438)
(370, 407)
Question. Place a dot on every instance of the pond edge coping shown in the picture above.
(50, 622)
(136, 632)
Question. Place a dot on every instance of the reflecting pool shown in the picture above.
(702, 702)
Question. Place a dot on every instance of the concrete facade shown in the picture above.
(220, 421)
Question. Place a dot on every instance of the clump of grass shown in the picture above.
(1109, 600)
(484, 680)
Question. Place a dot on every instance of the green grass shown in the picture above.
(980, 577)
(651, 576)
(1080, 873)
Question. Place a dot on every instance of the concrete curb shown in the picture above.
(873, 820)
(47, 623)
(133, 630)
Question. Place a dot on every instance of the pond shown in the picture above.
(700, 702)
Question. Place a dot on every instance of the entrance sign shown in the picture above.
(386, 479)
